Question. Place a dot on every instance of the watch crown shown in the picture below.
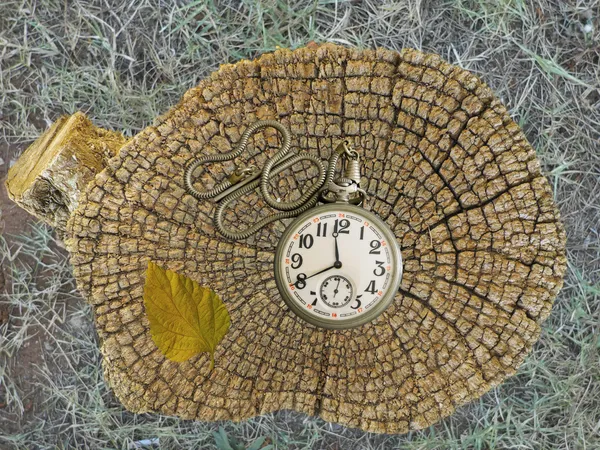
(343, 190)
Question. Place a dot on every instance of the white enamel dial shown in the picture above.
(338, 266)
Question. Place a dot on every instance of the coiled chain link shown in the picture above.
(288, 209)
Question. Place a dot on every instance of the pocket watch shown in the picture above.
(337, 265)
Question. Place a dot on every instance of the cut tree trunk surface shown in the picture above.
(49, 176)
(444, 166)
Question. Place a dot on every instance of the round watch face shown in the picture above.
(338, 266)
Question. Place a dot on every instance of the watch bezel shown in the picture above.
(375, 311)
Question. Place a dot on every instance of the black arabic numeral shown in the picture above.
(358, 303)
(300, 281)
(371, 287)
(321, 228)
(296, 259)
(362, 233)
(376, 270)
(341, 226)
(306, 241)
(375, 244)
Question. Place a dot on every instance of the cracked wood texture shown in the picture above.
(445, 167)
(49, 176)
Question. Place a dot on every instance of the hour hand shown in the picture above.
(301, 278)
(320, 271)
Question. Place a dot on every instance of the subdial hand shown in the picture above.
(336, 288)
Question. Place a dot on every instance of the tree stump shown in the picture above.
(48, 177)
(445, 167)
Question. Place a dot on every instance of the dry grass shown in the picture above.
(127, 62)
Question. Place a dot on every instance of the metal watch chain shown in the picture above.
(243, 180)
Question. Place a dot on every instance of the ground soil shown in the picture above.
(15, 221)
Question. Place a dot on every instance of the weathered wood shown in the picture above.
(446, 168)
(48, 177)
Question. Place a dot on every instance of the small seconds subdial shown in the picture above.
(336, 291)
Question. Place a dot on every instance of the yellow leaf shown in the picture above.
(185, 318)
